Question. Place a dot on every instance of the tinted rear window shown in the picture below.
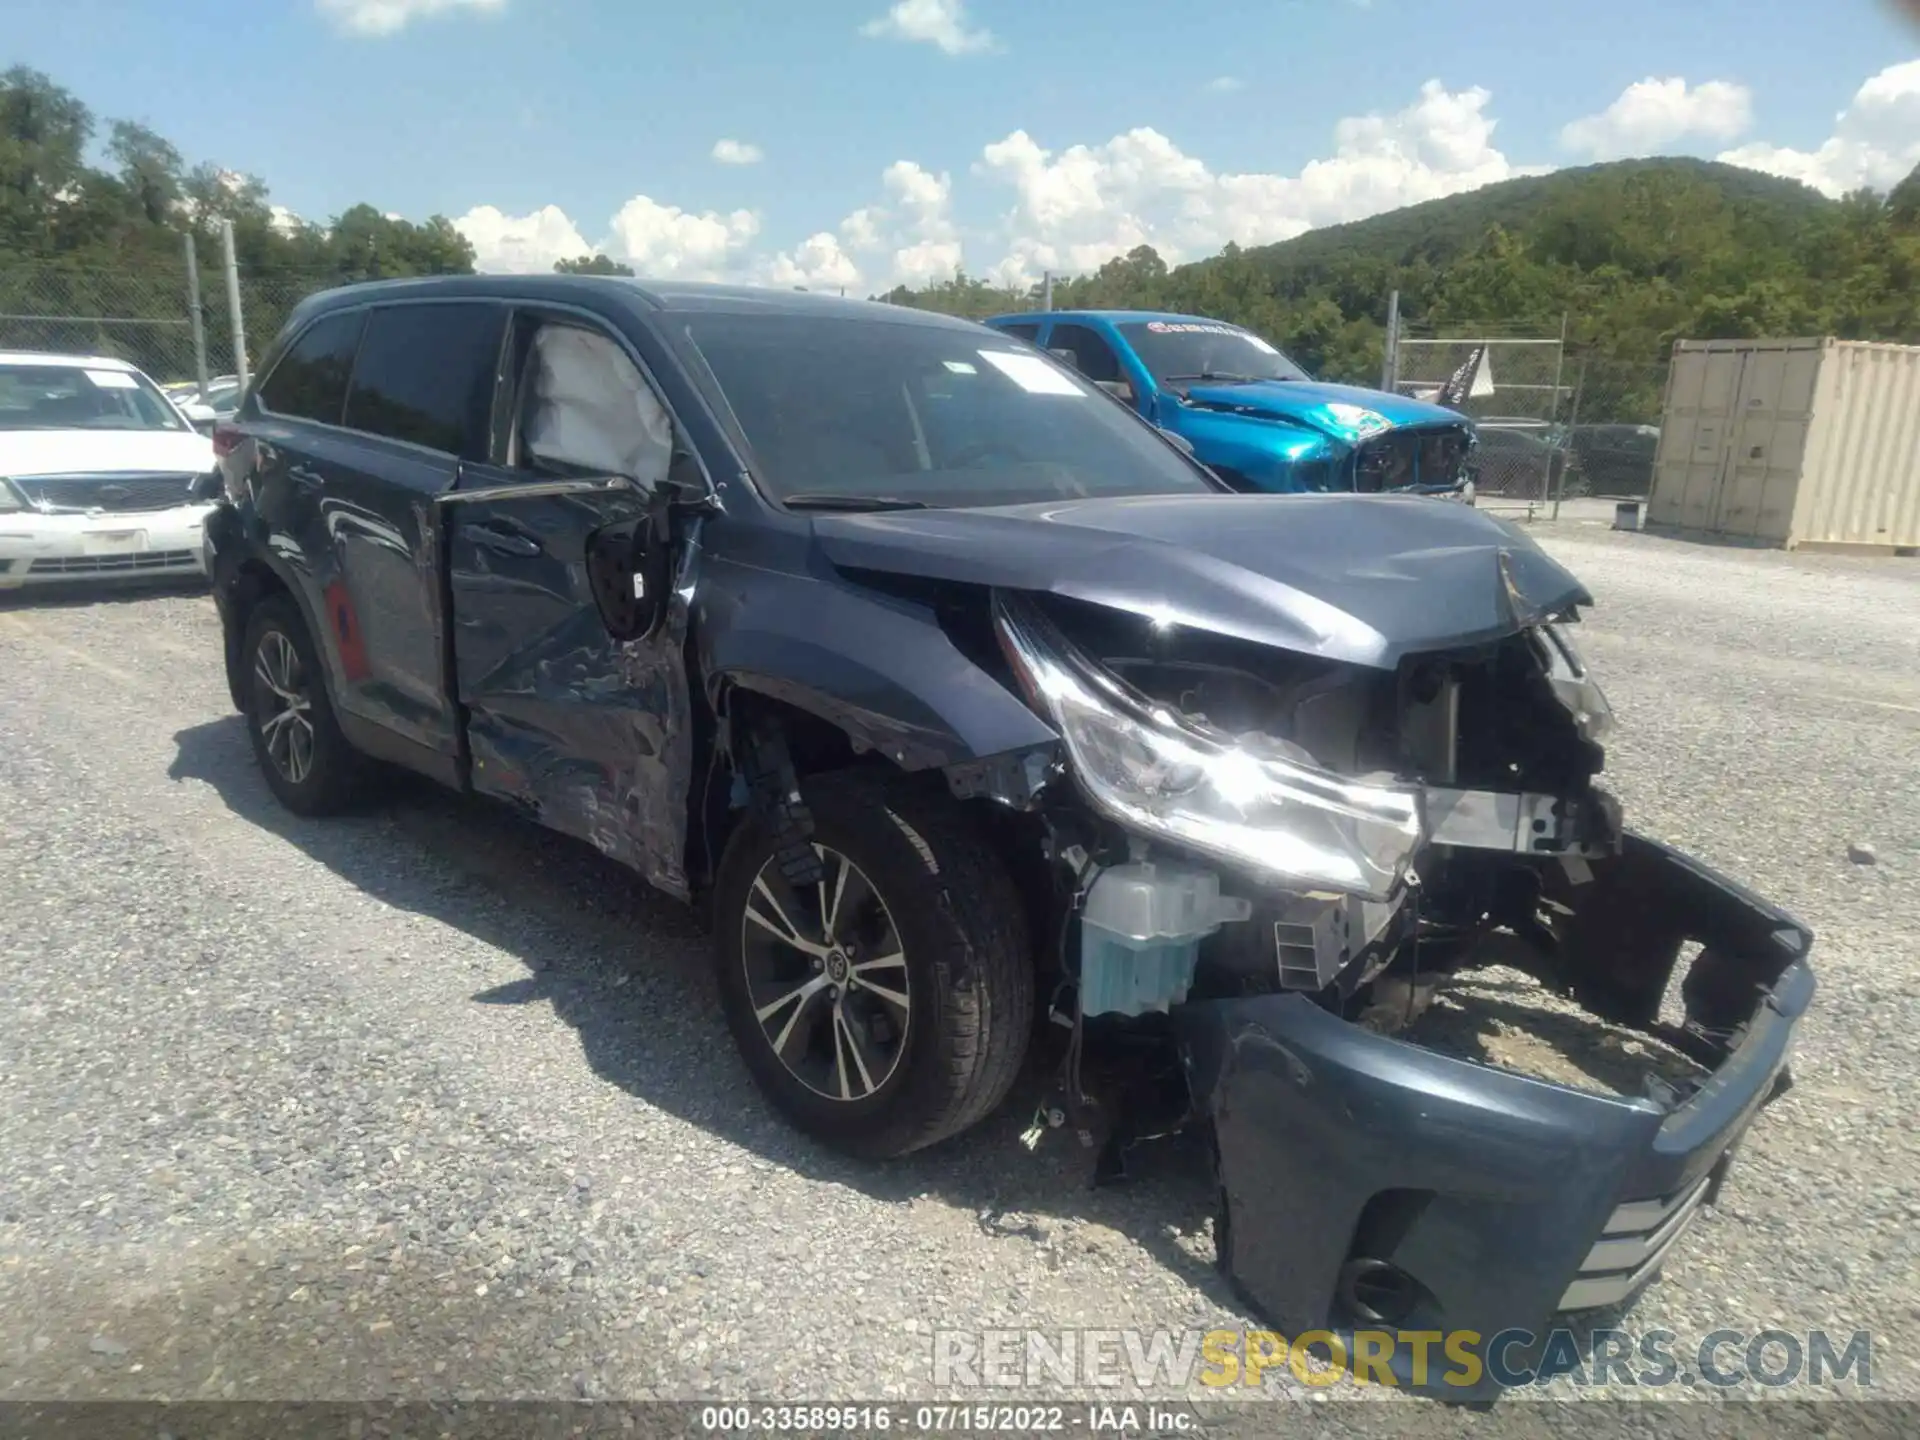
(311, 379)
(426, 375)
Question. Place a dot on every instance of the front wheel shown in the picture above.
(889, 1006)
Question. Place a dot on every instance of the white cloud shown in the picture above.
(944, 23)
(737, 152)
(907, 238)
(385, 17)
(817, 263)
(655, 239)
(520, 244)
(1225, 84)
(1875, 140)
(1652, 114)
(664, 240)
(1075, 209)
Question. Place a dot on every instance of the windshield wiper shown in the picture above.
(1218, 377)
(851, 502)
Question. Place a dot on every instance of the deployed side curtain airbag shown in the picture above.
(593, 410)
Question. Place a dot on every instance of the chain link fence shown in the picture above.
(1556, 421)
(1519, 399)
(140, 317)
(145, 316)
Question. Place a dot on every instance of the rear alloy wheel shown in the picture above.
(280, 696)
(307, 762)
(889, 1005)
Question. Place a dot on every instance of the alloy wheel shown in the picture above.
(283, 708)
(827, 977)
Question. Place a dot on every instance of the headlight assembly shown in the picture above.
(1575, 688)
(1257, 804)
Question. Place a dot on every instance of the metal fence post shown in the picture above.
(1390, 347)
(1573, 420)
(1553, 403)
(1046, 290)
(233, 302)
(194, 314)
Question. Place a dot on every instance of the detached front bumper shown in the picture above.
(37, 548)
(1372, 1185)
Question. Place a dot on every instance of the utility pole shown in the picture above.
(1046, 290)
(194, 314)
(1390, 357)
(233, 302)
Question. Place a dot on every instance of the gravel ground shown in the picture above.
(427, 1103)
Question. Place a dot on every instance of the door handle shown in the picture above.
(500, 539)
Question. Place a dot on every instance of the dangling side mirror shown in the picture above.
(1177, 440)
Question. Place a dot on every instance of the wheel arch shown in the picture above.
(251, 581)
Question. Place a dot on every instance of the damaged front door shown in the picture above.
(567, 625)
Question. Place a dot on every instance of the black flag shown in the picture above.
(1459, 385)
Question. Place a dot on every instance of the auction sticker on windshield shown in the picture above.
(1031, 373)
(112, 380)
(1188, 327)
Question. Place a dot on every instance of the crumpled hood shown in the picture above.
(1364, 579)
(97, 452)
(1348, 413)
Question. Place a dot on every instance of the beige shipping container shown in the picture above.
(1799, 443)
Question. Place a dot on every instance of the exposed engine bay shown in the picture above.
(1499, 746)
(1317, 899)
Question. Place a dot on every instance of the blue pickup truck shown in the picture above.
(1251, 414)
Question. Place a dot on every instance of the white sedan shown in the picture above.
(101, 476)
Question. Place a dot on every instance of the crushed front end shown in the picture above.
(1336, 892)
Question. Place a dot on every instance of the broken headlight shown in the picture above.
(1252, 802)
(1572, 685)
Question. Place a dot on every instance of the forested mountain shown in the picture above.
(1636, 254)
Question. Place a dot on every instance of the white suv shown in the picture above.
(101, 476)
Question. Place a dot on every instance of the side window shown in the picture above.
(1026, 332)
(1093, 357)
(310, 382)
(426, 375)
(585, 409)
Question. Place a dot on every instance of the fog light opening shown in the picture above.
(1377, 1292)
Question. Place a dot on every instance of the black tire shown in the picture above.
(324, 775)
(962, 930)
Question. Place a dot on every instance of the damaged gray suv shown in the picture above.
(988, 726)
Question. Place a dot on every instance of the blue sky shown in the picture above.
(891, 141)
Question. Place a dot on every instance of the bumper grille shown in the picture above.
(144, 560)
(1413, 457)
(1636, 1239)
(112, 493)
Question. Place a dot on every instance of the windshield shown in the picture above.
(70, 397)
(1186, 350)
(888, 411)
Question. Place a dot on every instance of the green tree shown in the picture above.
(149, 169)
(591, 265)
(44, 131)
